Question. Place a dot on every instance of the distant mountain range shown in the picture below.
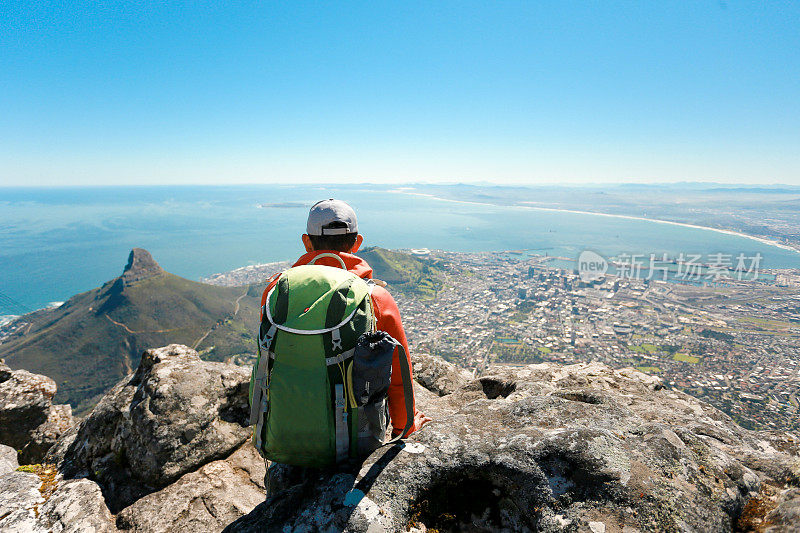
(95, 338)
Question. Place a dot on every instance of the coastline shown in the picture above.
(245, 274)
(762, 240)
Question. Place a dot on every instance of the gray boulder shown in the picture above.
(438, 375)
(170, 417)
(547, 448)
(73, 506)
(29, 422)
(8, 459)
(19, 501)
(76, 506)
(205, 500)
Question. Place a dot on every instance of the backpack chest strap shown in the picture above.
(336, 359)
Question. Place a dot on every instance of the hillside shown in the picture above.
(408, 273)
(405, 272)
(96, 337)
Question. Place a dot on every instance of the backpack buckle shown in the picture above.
(266, 341)
(336, 339)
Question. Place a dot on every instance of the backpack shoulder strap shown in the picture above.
(271, 281)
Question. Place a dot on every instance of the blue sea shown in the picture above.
(58, 242)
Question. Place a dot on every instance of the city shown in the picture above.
(734, 344)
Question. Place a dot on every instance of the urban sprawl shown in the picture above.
(734, 343)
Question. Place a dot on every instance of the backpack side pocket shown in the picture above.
(372, 367)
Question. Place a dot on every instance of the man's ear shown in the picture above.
(357, 245)
(307, 243)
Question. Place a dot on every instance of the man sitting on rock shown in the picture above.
(332, 230)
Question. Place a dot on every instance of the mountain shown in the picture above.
(96, 337)
(404, 272)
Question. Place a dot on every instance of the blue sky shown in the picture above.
(507, 92)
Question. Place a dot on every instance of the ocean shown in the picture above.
(58, 242)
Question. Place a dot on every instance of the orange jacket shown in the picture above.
(388, 319)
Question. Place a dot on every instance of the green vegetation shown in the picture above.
(715, 334)
(449, 356)
(649, 369)
(654, 348)
(644, 348)
(407, 273)
(518, 317)
(766, 323)
(686, 358)
(516, 353)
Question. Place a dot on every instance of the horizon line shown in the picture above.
(476, 183)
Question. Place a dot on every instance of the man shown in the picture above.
(332, 229)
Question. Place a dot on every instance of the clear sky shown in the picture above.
(509, 92)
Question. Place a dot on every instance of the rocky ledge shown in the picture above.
(164, 450)
(29, 422)
(555, 448)
(537, 448)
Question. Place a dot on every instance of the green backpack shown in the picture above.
(318, 388)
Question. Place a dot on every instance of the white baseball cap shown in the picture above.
(326, 212)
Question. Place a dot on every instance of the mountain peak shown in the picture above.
(141, 265)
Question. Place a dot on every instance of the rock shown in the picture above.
(205, 500)
(172, 416)
(8, 459)
(546, 448)
(5, 371)
(29, 421)
(75, 506)
(59, 421)
(57, 453)
(438, 375)
(19, 501)
(141, 265)
(785, 517)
